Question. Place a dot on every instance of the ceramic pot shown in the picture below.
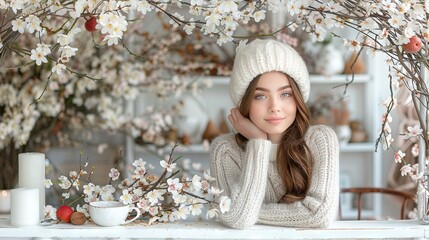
(344, 133)
(329, 61)
(193, 118)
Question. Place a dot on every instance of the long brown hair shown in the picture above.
(294, 159)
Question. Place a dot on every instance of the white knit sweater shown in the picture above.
(250, 178)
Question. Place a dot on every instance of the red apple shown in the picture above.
(90, 24)
(414, 45)
(64, 213)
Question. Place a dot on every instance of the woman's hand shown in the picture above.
(244, 126)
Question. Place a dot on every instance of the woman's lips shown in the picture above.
(274, 120)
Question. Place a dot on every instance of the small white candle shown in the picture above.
(32, 174)
(24, 207)
(4, 201)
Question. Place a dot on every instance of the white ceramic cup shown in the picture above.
(111, 213)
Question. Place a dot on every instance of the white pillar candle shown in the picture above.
(32, 174)
(4, 201)
(24, 207)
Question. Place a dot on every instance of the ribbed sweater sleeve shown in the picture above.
(319, 207)
(242, 176)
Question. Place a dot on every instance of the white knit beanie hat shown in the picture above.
(261, 56)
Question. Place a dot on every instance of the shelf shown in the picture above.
(358, 147)
(340, 79)
(319, 79)
(194, 148)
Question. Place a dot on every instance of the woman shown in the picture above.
(276, 169)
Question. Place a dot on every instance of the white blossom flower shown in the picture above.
(154, 195)
(50, 211)
(413, 131)
(126, 197)
(107, 192)
(63, 40)
(76, 183)
(88, 189)
(179, 198)
(387, 141)
(174, 185)
(224, 38)
(259, 15)
(196, 182)
(114, 174)
(58, 68)
(112, 39)
(65, 182)
(139, 163)
(207, 176)
(415, 177)
(144, 7)
(90, 198)
(397, 20)
(19, 25)
(65, 195)
(33, 24)
(406, 169)
(153, 210)
(73, 174)
(189, 27)
(168, 166)
(215, 191)
(139, 192)
(140, 172)
(225, 204)
(398, 156)
(44, 48)
(205, 185)
(38, 56)
(67, 51)
(47, 183)
(228, 6)
(196, 207)
(212, 213)
(143, 204)
(181, 213)
(16, 5)
(83, 209)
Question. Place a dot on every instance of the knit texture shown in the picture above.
(250, 178)
(261, 56)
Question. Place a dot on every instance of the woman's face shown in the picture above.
(273, 107)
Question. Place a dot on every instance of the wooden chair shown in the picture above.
(360, 191)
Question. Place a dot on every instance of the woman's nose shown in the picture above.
(274, 110)
(274, 107)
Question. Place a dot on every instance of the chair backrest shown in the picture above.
(405, 196)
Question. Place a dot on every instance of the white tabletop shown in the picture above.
(214, 230)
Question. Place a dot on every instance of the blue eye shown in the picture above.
(260, 97)
(286, 94)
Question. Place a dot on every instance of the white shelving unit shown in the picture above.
(360, 160)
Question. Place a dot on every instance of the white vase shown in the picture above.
(193, 118)
(329, 61)
(344, 133)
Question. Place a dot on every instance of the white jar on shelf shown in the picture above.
(193, 118)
